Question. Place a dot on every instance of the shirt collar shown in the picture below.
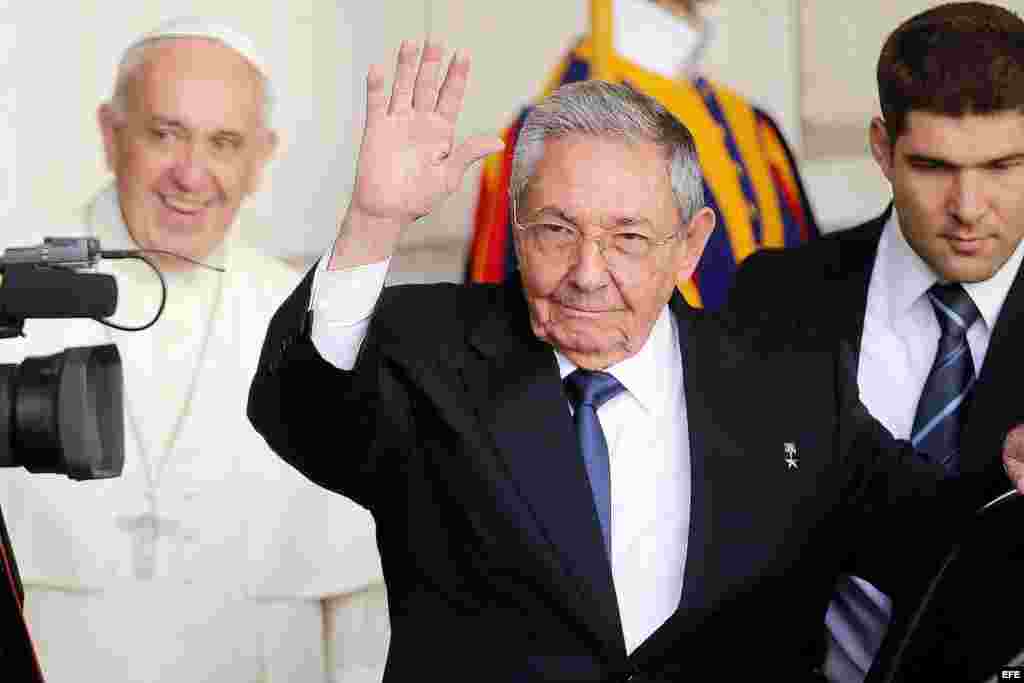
(654, 38)
(907, 277)
(643, 374)
(989, 295)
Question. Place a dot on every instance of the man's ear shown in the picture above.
(881, 146)
(108, 121)
(695, 236)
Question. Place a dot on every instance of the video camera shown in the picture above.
(61, 413)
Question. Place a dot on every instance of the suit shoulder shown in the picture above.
(436, 309)
(831, 257)
(767, 338)
(809, 255)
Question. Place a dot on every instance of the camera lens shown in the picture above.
(64, 413)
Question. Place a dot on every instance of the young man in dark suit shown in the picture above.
(951, 143)
(574, 475)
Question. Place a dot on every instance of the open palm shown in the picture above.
(408, 162)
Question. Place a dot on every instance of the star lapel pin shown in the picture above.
(792, 462)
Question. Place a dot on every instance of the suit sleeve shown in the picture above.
(904, 515)
(335, 426)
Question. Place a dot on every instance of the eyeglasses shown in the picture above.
(556, 238)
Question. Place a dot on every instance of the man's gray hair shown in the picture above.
(609, 110)
(135, 56)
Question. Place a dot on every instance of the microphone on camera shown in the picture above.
(68, 252)
(43, 281)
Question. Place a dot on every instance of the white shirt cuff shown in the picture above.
(341, 303)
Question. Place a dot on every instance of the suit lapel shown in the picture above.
(701, 429)
(522, 401)
(703, 576)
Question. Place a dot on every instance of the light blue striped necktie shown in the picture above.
(936, 431)
(588, 391)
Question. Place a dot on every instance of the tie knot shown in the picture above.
(954, 308)
(591, 388)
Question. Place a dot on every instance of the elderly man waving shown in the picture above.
(574, 475)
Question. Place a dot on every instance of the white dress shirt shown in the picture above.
(649, 457)
(645, 427)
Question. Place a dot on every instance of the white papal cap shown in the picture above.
(197, 27)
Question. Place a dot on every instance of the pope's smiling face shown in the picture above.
(187, 145)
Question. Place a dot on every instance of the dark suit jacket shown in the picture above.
(820, 289)
(454, 431)
(960, 631)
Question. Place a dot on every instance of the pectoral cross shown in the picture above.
(146, 529)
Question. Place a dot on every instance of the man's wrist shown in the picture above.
(364, 239)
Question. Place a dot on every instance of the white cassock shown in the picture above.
(206, 560)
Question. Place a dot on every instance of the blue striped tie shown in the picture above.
(936, 431)
(588, 391)
(859, 614)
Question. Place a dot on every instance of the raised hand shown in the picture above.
(408, 161)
